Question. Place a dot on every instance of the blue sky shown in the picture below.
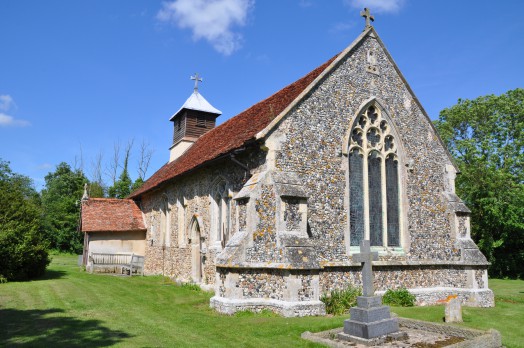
(78, 76)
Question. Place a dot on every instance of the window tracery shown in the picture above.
(374, 196)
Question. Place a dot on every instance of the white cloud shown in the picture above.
(340, 27)
(5, 102)
(212, 20)
(377, 6)
(6, 121)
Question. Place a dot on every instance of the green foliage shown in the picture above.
(60, 199)
(486, 138)
(191, 286)
(96, 190)
(340, 301)
(122, 187)
(137, 184)
(399, 297)
(23, 253)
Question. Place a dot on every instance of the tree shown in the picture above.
(143, 162)
(60, 199)
(486, 138)
(23, 252)
(122, 187)
(96, 188)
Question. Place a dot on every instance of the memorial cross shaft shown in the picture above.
(197, 78)
(367, 15)
(366, 257)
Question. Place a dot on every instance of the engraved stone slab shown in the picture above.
(453, 311)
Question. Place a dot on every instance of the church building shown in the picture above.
(268, 208)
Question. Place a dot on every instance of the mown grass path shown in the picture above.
(71, 308)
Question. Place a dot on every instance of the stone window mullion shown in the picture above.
(365, 183)
(384, 201)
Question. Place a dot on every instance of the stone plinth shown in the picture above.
(369, 320)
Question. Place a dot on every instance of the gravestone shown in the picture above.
(453, 311)
(370, 321)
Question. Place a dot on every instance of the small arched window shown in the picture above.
(220, 213)
(374, 198)
(165, 222)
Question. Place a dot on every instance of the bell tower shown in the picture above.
(195, 118)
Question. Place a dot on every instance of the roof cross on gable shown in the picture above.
(197, 79)
(369, 18)
(366, 256)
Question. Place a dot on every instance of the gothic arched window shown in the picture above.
(374, 195)
(220, 213)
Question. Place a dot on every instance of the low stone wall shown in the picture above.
(287, 292)
(419, 334)
(468, 297)
(474, 338)
(284, 308)
(429, 283)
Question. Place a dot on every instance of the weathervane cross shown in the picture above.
(366, 256)
(197, 79)
(368, 17)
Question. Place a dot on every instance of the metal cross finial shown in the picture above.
(197, 78)
(368, 17)
(366, 256)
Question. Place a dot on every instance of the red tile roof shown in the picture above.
(111, 214)
(232, 134)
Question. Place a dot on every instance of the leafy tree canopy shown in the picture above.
(60, 199)
(486, 138)
(23, 253)
(122, 187)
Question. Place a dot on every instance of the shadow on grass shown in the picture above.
(51, 274)
(47, 328)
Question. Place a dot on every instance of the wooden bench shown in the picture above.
(126, 262)
(136, 264)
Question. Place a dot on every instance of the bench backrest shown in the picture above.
(111, 259)
(137, 260)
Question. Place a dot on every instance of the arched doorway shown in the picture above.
(196, 251)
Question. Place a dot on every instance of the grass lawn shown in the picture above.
(69, 307)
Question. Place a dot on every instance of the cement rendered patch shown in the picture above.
(419, 333)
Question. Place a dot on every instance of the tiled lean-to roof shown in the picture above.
(233, 133)
(111, 214)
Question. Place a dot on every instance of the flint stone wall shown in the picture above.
(172, 255)
(322, 121)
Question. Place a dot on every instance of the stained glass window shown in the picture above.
(393, 227)
(375, 198)
(356, 195)
(373, 171)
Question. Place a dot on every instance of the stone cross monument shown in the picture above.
(370, 321)
(366, 257)
(368, 16)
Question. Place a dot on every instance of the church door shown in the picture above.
(196, 251)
